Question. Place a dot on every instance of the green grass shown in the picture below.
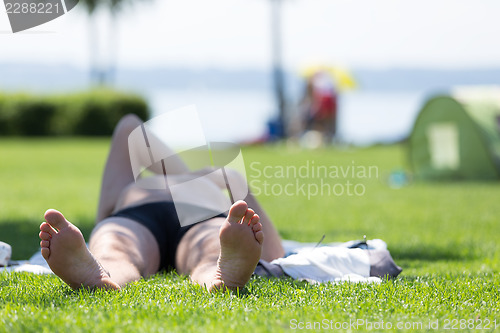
(444, 235)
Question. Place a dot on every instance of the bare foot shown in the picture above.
(241, 239)
(64, 249)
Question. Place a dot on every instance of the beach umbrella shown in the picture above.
(343, 78)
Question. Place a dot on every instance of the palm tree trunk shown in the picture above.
(94, 51)
(113, 49)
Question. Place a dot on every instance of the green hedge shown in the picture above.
(94, 112)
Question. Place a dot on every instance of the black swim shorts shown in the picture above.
(161, 219)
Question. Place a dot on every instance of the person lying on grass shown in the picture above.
(138, 234)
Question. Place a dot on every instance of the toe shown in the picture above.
(237, 211)
(45, 253)
(44, 235)
(248, 216)
(45, 227)
(255, 219)
(259, 236)
(56, 219)
(257, 227)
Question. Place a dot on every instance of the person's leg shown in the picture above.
(120, 251)
(118, 172)
(222, 253)
(125, 248)
(333, 128)
(272, 247)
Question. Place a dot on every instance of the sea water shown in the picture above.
(364, 117)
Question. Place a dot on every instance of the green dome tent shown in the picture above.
(457, 138)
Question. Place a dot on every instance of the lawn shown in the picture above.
(444, 235)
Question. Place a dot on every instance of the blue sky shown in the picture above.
(236, 34)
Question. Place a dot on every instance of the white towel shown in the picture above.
(36, 264)
(328, 264)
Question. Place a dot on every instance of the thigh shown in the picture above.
(138, 193)
(120, 238)
(200, 244)
(153, 189)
